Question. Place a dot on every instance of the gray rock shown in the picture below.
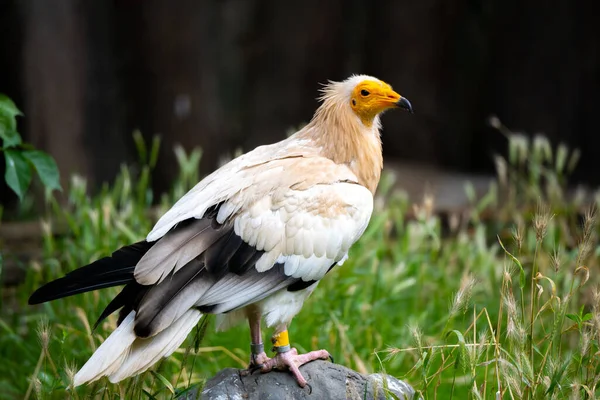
(327, 381)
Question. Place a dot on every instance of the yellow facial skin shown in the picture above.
(370, 98)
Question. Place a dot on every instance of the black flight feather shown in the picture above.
(133, 300)
(126, 298)
(106, 272)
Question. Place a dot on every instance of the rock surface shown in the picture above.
(327, 381)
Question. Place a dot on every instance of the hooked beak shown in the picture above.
(404, 104)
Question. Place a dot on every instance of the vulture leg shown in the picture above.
(288, 358)
(258, 357)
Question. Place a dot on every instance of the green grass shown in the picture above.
(449, 311)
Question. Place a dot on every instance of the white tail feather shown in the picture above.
(123, 354)
(109, 355)
(146, 352)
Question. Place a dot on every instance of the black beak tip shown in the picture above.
(404, 104)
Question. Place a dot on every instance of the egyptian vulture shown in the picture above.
(250, 241)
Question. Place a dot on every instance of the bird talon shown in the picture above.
(309, 388)
(255, 368)
(257, 363)
(331, 359)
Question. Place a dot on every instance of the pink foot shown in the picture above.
(257, 361)
(291, 361)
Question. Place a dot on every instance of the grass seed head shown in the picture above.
(517, 234)
(512, 378)
(541, 146)
(511, 304)
(596, 298)
(575, 390)
(44, 332)
(501, 170)
(541, 220)
(70, 371)
(555, 259)
(514, 328)
(525, 365)
(509, 269)
(589, 224)
(417, 335)
(37, 387)
(584, 248)
(425, 210)
(463, 295)
(589, 221)
(587, 238)
(494, 122)
(585, 342)
(596, 324)
(483, 338)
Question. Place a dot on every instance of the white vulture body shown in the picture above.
(254, 236)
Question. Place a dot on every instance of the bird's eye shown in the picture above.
(364, 92)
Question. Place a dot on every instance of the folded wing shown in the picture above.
(266, 236)
(247, 232)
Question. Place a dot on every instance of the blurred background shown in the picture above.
(228, 75)
(235, 74)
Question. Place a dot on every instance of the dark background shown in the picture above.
(239, 73)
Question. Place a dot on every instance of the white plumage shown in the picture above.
(250, 240)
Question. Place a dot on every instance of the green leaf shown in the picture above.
(463, 347)
(154, 151)
(587, 317)
(45, 167)
(10, 138)
(7, 107)
(557, 376)
(574, 318)
(8, 122)
(164, 381)
(140, 145)
(18, 172)
(8, 131)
